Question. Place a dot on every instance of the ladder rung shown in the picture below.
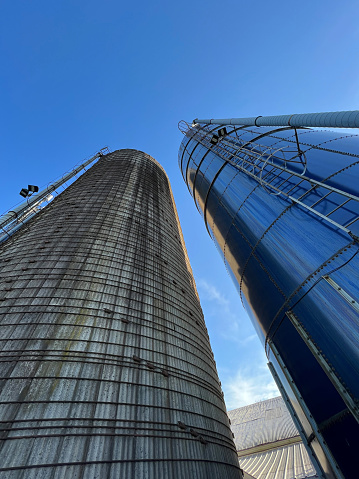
(321, 199)
(286, 179)
(339, 206)
(301, 181)
(269, 172)
(271, 180)
(354, 220)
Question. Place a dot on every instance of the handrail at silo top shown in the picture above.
(334, 119)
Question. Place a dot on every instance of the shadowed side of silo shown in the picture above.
(106, 366)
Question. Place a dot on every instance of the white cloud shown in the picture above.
(216, 304)
(231, 320)
(249, 339)
(249, 385)
(252, 382)
(211, 293)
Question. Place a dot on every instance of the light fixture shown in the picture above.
(222, 131)
(214, 140)
(24, 192)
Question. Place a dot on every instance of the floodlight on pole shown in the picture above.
(24, 192)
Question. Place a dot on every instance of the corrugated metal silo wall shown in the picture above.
(280, 255)
(104, 345)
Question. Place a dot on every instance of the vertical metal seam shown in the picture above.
(200, 163)
(286, 304)
(310, 418)
(190, 154)
(325, 364)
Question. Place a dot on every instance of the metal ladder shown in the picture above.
(266, 164)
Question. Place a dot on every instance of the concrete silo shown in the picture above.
(106, 366)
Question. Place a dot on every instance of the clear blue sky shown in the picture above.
(78, 75)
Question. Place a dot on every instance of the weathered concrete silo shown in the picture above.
(106, 366)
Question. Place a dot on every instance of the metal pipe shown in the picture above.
(13, 214)
(334, 119)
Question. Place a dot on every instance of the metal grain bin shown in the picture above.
(282, 205)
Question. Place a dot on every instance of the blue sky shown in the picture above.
(79, 75)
